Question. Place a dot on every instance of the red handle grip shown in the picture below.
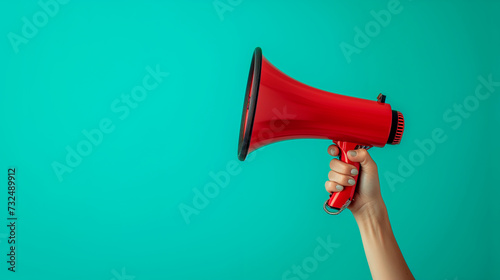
(340, 200)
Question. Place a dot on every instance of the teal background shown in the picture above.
(119, 208)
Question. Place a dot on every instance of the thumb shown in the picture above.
(363, 157)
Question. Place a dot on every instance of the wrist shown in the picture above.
(373, 210)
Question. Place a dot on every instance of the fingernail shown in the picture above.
(339, 187)
(332, 151)
(354, 171)
(351, 181)
(353, 153)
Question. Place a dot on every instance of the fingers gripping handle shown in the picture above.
(338, 201)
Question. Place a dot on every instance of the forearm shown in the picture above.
(382, 251)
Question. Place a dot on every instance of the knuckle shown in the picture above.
(363, 152)
(333, 163)
(329, 186)
(331, 175)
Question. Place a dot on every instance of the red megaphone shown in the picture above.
(277, 108)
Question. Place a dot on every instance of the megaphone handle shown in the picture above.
(340, 200)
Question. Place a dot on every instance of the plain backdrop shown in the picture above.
(116, 213)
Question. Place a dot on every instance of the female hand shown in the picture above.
(368, 188)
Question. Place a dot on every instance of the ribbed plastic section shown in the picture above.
(399, 130)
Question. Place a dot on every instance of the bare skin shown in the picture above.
(381, 249)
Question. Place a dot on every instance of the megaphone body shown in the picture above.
(277, 107)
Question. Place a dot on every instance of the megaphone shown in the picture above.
(277, 107)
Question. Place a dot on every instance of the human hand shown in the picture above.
(367, 196)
